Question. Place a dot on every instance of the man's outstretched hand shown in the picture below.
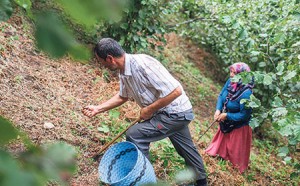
(90, 110)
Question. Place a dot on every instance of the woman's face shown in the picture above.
(232, 72)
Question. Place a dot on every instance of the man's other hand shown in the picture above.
(146, 113)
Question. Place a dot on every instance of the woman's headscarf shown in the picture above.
(235, 89)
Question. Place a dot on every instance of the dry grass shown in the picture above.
(36, 90)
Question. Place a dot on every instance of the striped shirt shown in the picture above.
(146, 80)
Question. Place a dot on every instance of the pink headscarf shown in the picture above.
(235, 89)
(238, 68)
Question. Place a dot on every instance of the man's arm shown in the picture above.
(113, 102)
(148, 111)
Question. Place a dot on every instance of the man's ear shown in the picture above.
(109, 58)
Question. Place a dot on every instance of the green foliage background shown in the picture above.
(264, 34)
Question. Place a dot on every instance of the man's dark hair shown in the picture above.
(108, 46)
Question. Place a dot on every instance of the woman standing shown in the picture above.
(234, 137)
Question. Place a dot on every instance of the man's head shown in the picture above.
(108, 51)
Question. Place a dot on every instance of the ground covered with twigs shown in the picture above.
(44, 98)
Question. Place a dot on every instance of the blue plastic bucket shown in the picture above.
(124, 164)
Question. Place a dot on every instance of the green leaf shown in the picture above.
(283, 151)
(289, 75)
(297, 14)
(124, 26)
(277, 102)
(263, 35)
(264, 115)
(254, 122)
(12, 174)
(280, 68)
(250, 43)
(280, 111)
(58, 158)
(297, 44)
(144, 45)
(226, 19)
(114, 114)
(243, 101)
(103, 128)
(254, 59)
(254, 53)
(267, 80)
(226, 50)
(26, 4)
(297, 132)
(254, 102)
(287, 159)
(6, 10)
(52, 37)
(80, 11)
(242, 34)
(236, 78)
(282, 122)
(280, 38)
(262, 64)
(286, 130)
(259, 77)
(7, 131)
(135, 38)
(235, 24)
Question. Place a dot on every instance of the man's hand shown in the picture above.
(146, 113)
(222, 117)
(91, 110)
(217, 113)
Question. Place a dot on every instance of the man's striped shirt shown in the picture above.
(146, 80)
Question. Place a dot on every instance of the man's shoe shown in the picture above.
(202, 182)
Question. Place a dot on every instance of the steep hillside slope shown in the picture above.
(36, 90)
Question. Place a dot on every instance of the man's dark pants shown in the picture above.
(174, 126)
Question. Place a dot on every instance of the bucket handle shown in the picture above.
(96, 156)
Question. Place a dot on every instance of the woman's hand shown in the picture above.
(91, 110)
(217, 113)
(222, 117)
